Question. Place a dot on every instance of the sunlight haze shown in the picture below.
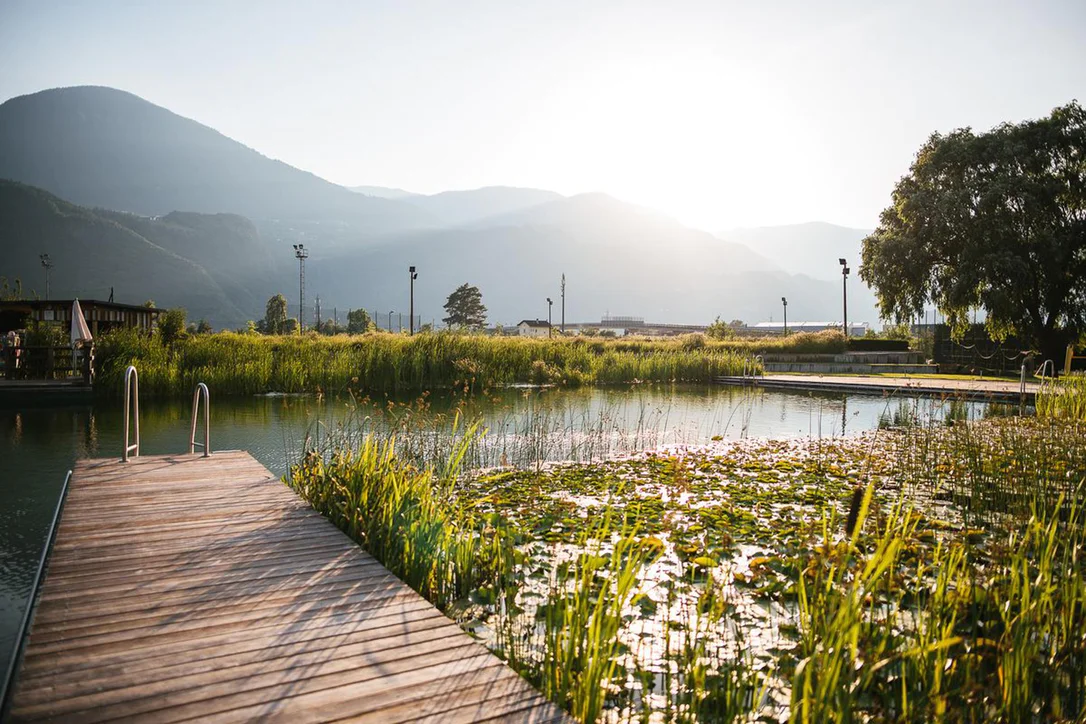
(720, 114)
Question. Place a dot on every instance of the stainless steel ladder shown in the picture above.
(201, 391)
(131, 400)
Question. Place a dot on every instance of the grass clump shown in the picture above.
(1063, 397)
(249, 364)
(407, 519)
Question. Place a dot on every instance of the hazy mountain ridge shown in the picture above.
(811, 248)
(102, 147)
(383, 192)
(513, 242)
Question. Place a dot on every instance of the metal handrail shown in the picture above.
(7, 685)
(1044, 367)
(201, 391)
(131, 399)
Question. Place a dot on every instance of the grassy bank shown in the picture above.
(929, 573)
(249, 364)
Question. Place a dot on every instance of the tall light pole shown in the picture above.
(302, 254)
(784, 301)
(563, 303)
(550, 305)
(411, 314)
(390, 313)
(844, 295)
(47, 264)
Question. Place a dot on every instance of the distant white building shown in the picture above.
(534, 328)
(855, 329)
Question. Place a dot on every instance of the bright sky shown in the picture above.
(720, 113)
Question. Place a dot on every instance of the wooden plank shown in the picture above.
(184, 587)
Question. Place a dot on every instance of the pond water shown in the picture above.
(38, 445)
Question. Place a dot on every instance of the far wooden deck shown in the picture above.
(973, 389)
(183, 587)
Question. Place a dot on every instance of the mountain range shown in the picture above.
(128, 195)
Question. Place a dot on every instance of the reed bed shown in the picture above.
(922, 573)
(378, 362)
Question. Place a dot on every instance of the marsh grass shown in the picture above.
(239, 364)
(1063, 397)
(408, 519)
(627, 589)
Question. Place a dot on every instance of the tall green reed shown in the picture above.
(377, 362)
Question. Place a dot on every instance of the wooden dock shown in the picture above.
(183, 587)
(971, 389)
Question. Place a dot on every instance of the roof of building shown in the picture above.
(533, 323)
(31, 304)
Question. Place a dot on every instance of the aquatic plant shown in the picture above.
(1063, 397)
(724, 583)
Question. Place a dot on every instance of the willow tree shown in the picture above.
(995, 221)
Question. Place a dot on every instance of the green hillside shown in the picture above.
(93, 251)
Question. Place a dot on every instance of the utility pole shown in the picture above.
(302, 254)
(47, 264)
(411, 312)
(317, 312)
(389, 327)
(563, 303)
(844, 295)
(550, 329)
(785, 303)
(335, 319)
(399, 320)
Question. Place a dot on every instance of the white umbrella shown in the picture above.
(80, 331)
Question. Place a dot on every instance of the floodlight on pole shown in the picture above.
(563, 303)
(550, 305)
(389, 327)
(411, 315)
(784, 301)
(47, 264)
(302, 254)
(844, 295)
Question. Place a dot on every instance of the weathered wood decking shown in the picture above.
(982, 390)
(183, 587)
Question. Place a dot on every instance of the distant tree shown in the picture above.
(11, 292)
(203, 327)
(359, 322)
(994, 221)
(171, 325)
(275, 315)
(328, 327)
(426, 328)
(290, 326)
(719, 330)
(499, 330)
(465, 308)
(149, 304)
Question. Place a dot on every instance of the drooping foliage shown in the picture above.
(995, 221)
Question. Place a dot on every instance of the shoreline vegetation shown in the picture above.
(244, 364)
(925, 572)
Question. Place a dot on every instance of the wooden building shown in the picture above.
(101, 316)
